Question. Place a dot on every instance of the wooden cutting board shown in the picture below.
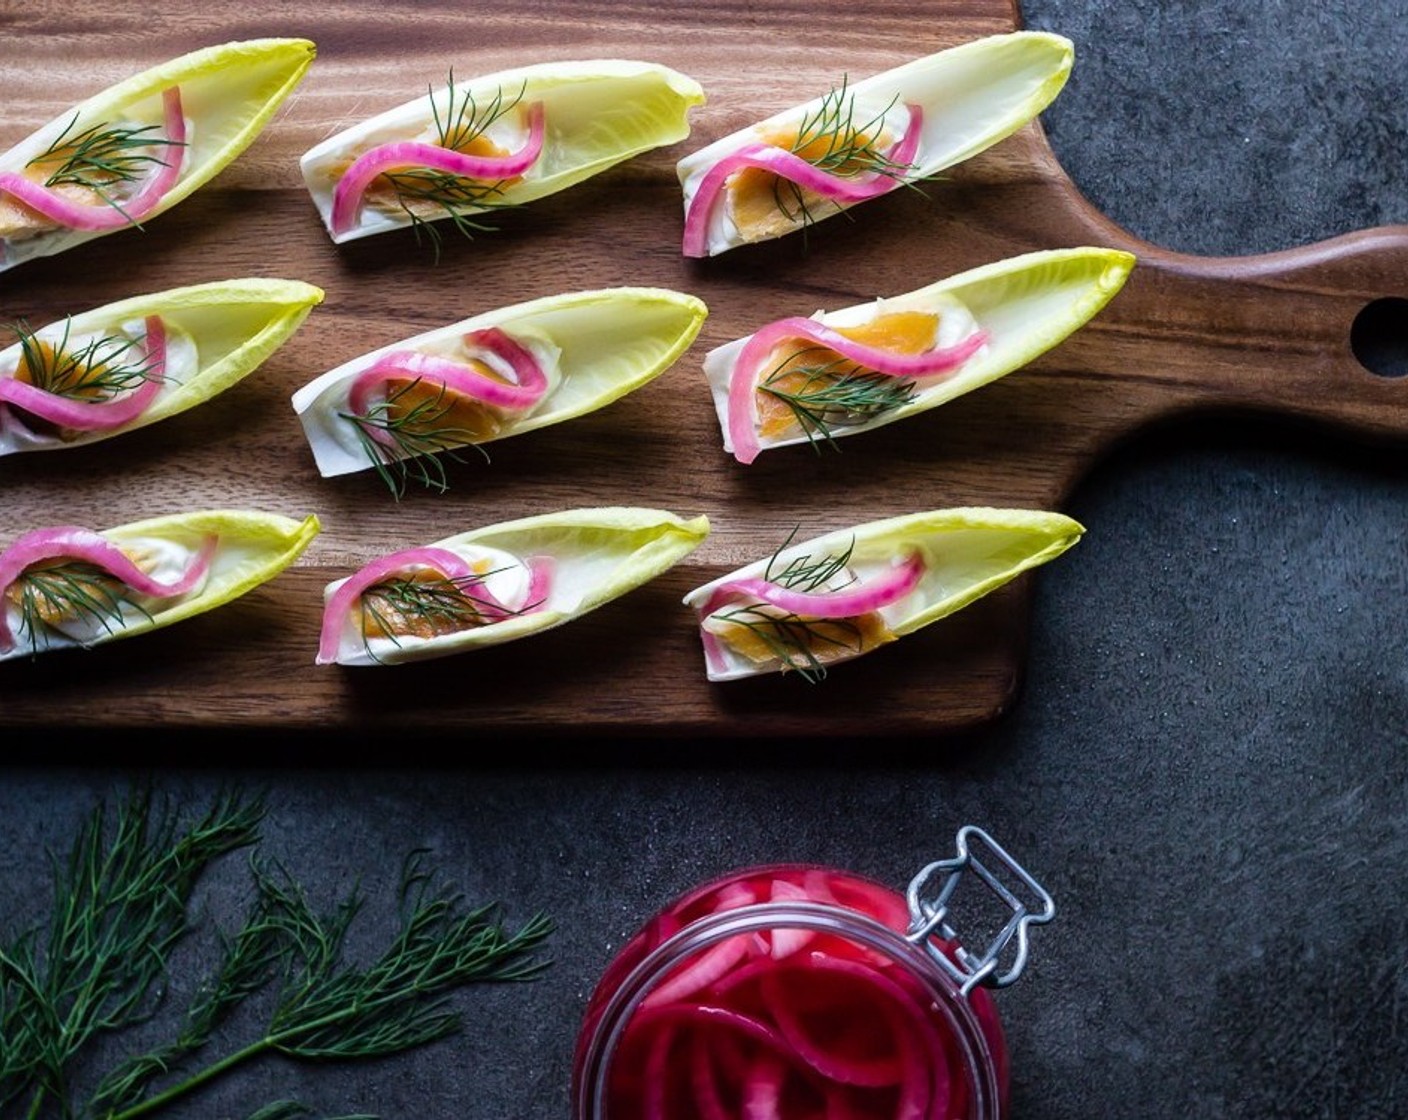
(1268, 333)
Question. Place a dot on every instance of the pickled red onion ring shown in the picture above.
(742, 976)
(540, 572)
(73, 542)
(707, 1015)
(731, 896)
(352, 187)
(455, 376)
(729, 1053)
(838, 1106)
(441, 560)
(762, 1089)
(913, 1029)
(861, 598)
(787, 940)
(655, 1074)
(792, 167)
(879, 902)
(714, 961)
(705, 1083)
(104, 216)
(714, 654)
(870, 1073)
(95, 416)
(742, 423)
(710, 965)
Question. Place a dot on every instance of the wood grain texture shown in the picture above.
(1269, 334)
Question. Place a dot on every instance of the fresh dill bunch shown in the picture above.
(789, 637)
(100, 369)
(418, 435)
(102, 157)
(440, 605)
(329, 1009)
(121, 904)
(119, 909)
(445, 195)
(833, 140)
(75, 590)
(834, 393)
(247, 963)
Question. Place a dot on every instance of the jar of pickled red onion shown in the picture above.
(794, 991)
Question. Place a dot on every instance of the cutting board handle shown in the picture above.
(1287, 333)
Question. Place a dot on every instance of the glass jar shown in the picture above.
(796, 991)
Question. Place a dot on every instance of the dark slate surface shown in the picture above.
(1207, 767)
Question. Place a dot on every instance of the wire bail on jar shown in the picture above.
(979, 854)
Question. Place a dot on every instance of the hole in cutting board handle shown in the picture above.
(1379, 337)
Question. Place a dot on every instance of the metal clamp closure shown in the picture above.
(930, 919)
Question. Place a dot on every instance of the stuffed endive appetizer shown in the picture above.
(128, 364)
(70, 586)
(799, 380)
(865, 139)
(841, 595)
(503, 139)
(489, 377)
(136, 149)
(492, 585)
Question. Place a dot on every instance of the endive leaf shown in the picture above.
(1023, 306)
(596, 113)
(228, 93)
(216, 334)
(593, 346)
(586, 557)
(955, 557)
(247, 549)
(951, 105)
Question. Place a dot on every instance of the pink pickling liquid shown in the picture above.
(804, 1015)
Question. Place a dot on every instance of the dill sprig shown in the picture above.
(464, 121)
(834, 140)
(445, 195)
(790, 638)
(440, 604)
(121, 905)
(846, 148)
(73, 590)
(833, 393)
(100, 369)
(418, 436)
(450, 196)
(247, 963)
(328, 1009)
(802, 573)
(102, 157)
